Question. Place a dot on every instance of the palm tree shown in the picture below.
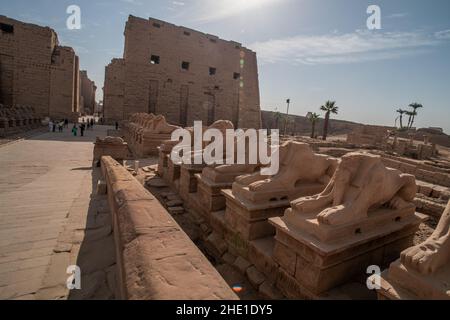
(329, 108)
(313, 117)
(410, 115)
(278, 117)
(414, 106)
(401, 112)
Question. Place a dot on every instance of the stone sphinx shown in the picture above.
(432, 255)
(215, 178)
(140, 123)
(227, 173)
(365, 216)
(360, 184)
(145, 132)
(110, 140)
(301, 172)
(130, 126)
(188, 180)
(151, 125)
(110, 146)
(159, 125)
(423, 271)
(254, 198)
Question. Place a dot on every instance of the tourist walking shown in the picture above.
(54, 126)
(66, 123)
(74, 130)
(92, 123)
(82, 129)
(50, 125)
(117, 125)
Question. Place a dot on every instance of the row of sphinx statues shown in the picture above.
(334, 192)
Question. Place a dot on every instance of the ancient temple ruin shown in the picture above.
(87, 94)
(36, 71)
(18, 118)
(182, 74)
(310, 231)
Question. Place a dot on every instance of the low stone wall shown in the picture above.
(15, 119)
(419, 171)
(156, 259)
(114, 147)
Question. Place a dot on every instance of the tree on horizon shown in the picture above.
(329, 108)
(414, 106)
(401, 112)
(313, 117)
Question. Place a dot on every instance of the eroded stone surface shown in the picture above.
(301, 172)
(158, 260)
(360, 183)
(133, 84)
(422, 272)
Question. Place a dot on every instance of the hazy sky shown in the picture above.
(308, 50)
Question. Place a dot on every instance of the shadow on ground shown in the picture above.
(96, 252)
(67, 136)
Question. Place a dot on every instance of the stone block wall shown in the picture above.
(421, 172)
(37, 72)
(14, 119)
(182, 74)
(300, 125)
(87, 93)
(114, 91)
(156, 259)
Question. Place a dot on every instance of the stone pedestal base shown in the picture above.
(118, 152)
(319, 266)
(217, 222)
(260, 254)
(209, 193)
(250, 220)
(151, 142)
(146, 144)
(279, 193)
(402, 283)
(173, 172)
(162, 162)
(188, 181)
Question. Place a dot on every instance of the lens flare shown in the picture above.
(237, 288)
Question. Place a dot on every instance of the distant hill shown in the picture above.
(300, 125)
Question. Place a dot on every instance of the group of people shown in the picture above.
(60, 125)
(85, 124)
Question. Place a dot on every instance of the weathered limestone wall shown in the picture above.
(114, 90)
(36, 71)
(434, 136)
(114, 147)
(156, 259)
(87, 93)
(150, 77)
(422, 172)
(369, 135)
(64, 84)
(14, 119)
(300, 125)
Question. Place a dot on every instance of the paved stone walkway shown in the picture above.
(40, 179)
